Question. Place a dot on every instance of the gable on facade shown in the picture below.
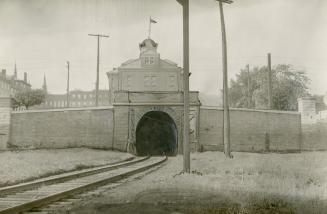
(146, 73)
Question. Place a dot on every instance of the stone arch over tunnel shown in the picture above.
(156, 134)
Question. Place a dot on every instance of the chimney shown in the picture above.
(25, 77)
(3, 73)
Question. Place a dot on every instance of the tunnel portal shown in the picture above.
(156, 134)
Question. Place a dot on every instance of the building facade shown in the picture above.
(10, 85)
(147, 73)
(313, 109)
(147, 96)
(77, 99)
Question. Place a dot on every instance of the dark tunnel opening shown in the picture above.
(156, 134)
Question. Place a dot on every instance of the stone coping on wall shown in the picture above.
(155, 92)
(250, 110)
(63, 110)
(154, 104)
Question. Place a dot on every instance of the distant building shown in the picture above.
(313, 109)
(77, 98)
(10, 85)
(325, 99)
(307, 108)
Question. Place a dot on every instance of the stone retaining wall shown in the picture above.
(62, 128)
(4, 122)
(251, 130)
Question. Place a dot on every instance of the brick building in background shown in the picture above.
(10, 85)
(77, 98)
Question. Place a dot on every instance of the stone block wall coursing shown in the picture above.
(89, 127)
(4, 122)
(251, 130)
(121, 118)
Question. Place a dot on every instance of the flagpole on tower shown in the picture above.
(149, 27)
(150, 22)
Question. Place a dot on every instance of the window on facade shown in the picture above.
(153, 81)
(150, 81)
(151, 60)
(128, 81)
(147, 80)
(171, 81)
(146, 60)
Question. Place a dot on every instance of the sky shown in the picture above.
(41, 35)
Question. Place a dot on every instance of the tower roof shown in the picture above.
(148, 44)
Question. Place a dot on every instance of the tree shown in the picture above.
(29, 98)
(250, 89)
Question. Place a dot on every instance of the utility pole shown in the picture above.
(186, 65)
(98, 62)
(270, 102)
(249, 90)
(67, 98)
(226, 117)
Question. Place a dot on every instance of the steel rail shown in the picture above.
(44, 195)
(67, 176)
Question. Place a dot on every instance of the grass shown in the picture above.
(248, 183)
(25, 165)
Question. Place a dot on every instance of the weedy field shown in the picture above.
(248, 183)
(24, 165)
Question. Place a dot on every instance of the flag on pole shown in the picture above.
(152, 20)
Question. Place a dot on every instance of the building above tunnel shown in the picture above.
(148, 73)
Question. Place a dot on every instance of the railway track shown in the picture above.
(24, 197)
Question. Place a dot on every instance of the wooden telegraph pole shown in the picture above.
(98, 62)
(249, 87)
(226, 119)
(270, 102)
(186, 65)
(67, 98)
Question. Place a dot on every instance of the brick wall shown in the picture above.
(90, 127)
(4, 122)
(251, 130)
